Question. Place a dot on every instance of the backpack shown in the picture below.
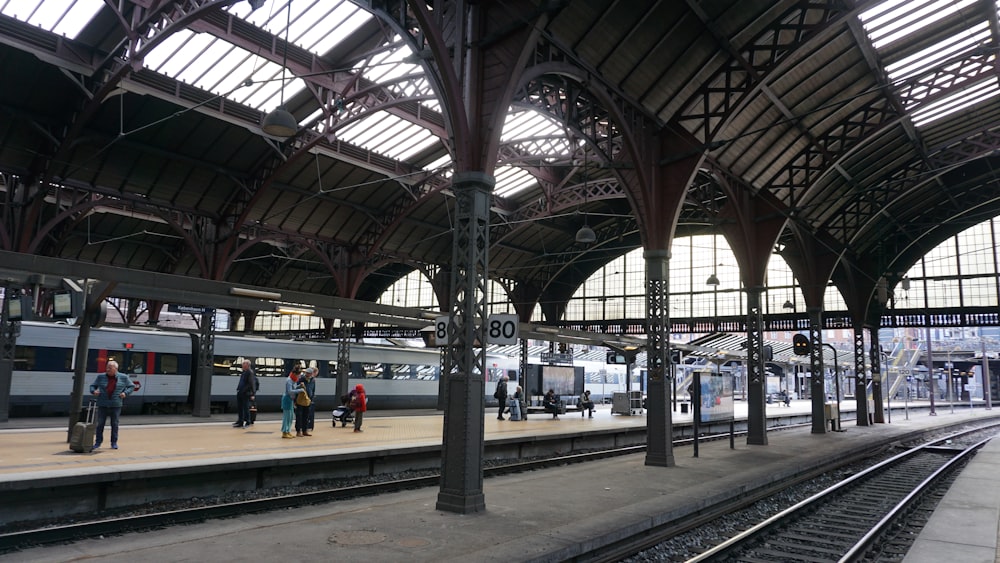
(496, 394)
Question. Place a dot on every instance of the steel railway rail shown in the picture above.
(843, 522)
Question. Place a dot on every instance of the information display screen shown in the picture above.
(715, 397)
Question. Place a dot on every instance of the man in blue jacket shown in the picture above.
(110, 388)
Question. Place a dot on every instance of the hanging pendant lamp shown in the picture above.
(279, 122)
(585, 235)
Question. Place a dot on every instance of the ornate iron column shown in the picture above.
(860, 376)
(522, 367)
(343, 358)
(9, 331)
(817, 378)
(756, 379)
(876, 357)
(462, 446)
(660, 442)
(206, 353)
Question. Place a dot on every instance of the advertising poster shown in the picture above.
(716, 397)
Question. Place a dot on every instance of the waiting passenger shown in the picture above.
(292, 390)
(501, 395)
(514, 404)
(551, 403)
(303, 401)
(586, 404)
(359, 405)
(110, 388)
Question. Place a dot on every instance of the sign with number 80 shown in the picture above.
(502, 328)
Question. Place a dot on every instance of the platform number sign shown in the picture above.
(501, 328)
(441, 330)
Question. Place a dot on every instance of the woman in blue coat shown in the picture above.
(292, 389)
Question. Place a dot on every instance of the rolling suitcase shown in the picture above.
(82, 438)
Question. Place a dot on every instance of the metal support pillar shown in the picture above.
(522, 366)
(462, 445)
(756, 379)
(202, 386)
(343, 358)
(860, 377)
(876, 358)
(659, 446)
(9, 331)
(931, 381)
(817, 379)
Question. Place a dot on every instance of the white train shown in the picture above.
(160, 364)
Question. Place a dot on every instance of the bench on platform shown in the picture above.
(570, 402)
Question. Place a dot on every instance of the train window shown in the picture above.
(24, 358)
(226, 365)
(426, 373)
(43, 358)
(169, 364)
(372, 371)
(136, 363)
(267, 367)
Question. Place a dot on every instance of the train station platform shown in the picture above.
(538, 516)
(966, 523)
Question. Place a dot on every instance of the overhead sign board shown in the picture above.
(190, 309)
(441, 328)
(556, 358)
(501, 328)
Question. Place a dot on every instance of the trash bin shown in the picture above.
(831, 413)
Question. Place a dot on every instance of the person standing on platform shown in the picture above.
(303, 402)
(586, 404)
(311, 390)
(110, 388)
(501, 395)
(246, 391)
(515, 405)
(292, 390)
(359, 405)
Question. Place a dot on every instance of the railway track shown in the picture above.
(844, 522)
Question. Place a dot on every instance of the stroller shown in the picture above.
(343, 413)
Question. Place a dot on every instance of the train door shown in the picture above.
(138, 364)
(134, 363)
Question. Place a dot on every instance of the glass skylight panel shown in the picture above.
(62, 17)
(534, 133)
(317, 26)
(364, 133)
(940, 53)
(898, 19)
(214, 65)
(439, 164)
(948, 63)
(512, 180)
(393, 69)
(968, 97)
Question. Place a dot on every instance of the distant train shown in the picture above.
(160, 364)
